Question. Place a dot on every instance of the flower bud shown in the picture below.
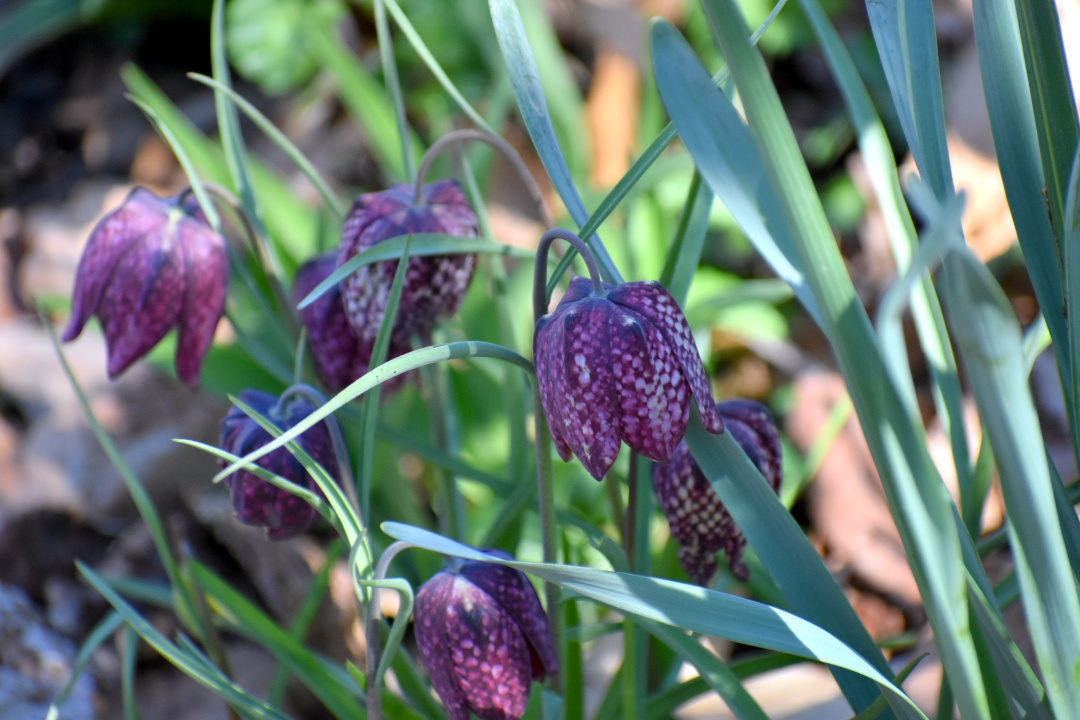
(255, 500)
(434, 285)
(699, 522)
(340, 356)
(149, 266)
(483, 637)
(619, 367)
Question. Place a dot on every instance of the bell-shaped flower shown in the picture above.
(619, 365)
(434, 285)
(699, 522)
(338, 353)
(483, 637)
(151, 265)
(256, 501)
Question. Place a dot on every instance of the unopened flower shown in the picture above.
(434, 285)
(619, 366)
(339, 354)
(483, 637)
(699, 521)
(256, 501)
(151, 265)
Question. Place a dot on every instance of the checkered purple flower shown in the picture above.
(483, 638)
(149, 266)
(699, 521)
(340, 356)
(255, 500)
(616, 367)
(434, 285)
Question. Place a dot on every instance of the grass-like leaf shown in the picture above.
(727, 156)
(681, 605)
(334, 689)
(193, 665)
(392, 368)
(279, 139)
(989, 340)
(422, 244)
(525, 78)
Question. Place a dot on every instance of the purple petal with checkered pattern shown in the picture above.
(339, 355)
(434, 286)
(482, 638)
(255, 501)
(698, 520)
(653, 302)
(150, 266)
(621, 367)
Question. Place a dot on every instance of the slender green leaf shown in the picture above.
(530, 100)
(391, 368)
(727, 156)
(194, 666)
(1016, 142)
(681, 605)
(1053, 102)
(423, 244)
(244, 618)
(279, 139)
(989, 340)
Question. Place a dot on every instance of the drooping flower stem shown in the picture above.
(373, 635)
(504, 148)
(540, 278)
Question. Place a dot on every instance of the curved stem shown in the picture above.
(372, 634)
(337, 438)
(540, 280)
(504, 148)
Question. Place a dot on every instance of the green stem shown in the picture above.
(393, 86)
(540, 295)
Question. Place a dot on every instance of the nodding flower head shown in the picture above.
(339, 354)
(151, 265)
(255, 500)
(619, 366)
(434, 285)
(699, 521)
(483, 637)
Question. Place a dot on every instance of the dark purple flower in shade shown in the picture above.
(619, 367)
(255, 500)
(434, 285)
(699, 521)
(149, 266)
(483, 638)
(340, 356)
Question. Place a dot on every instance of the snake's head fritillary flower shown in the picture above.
(151, 265)
(434, 286)
(255, 501)
(339, 354)
(619, 366)
(699, 521)
(483, 637)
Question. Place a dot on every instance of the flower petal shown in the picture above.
(586, 387)
(752, 426)
(432, 603)
(206, 278)
(513, 591)
(111, 239)
(488, 653)
(652, 301)
(143, 301)
(652, 398)
(548, 355)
